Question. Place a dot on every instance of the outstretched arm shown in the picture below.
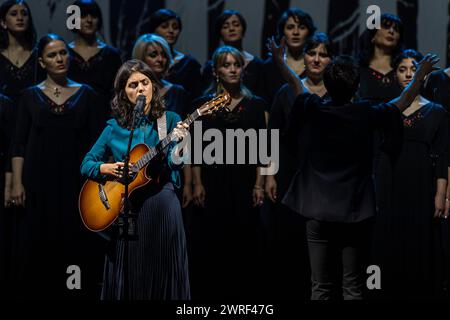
(288, 74)
(408, 94)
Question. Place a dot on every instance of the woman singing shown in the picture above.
(296, 26)
(158, 266)
(378, 48)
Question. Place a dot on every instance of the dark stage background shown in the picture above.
(427, 21)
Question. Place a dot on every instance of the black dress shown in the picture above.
(14, 79)
(437, 89)
(50, 237)
(186, 73)
(251, 78)
(404, 245)
(225, 243)
(376, 86)
(6, 123)
(99, 72)
(7, 118)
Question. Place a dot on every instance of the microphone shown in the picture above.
(140, 104)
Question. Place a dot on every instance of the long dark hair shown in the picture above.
(121, 107)
(30, 33)
(367, 47)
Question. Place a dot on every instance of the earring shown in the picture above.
(217, 79)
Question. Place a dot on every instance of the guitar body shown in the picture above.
(95, 215)
(101, 203)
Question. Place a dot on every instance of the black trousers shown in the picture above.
(338, 253)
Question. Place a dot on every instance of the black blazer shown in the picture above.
(334, 177)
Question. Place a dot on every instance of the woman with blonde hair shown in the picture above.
(228, 212)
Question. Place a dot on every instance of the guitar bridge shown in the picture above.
(103, 197)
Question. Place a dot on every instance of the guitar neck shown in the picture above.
(164, 142)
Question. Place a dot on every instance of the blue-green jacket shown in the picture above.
(114, 140)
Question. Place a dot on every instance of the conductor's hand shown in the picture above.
(426, 66)
(277, 51)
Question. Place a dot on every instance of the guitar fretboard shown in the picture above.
(164, 143)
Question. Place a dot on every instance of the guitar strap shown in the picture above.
(161, 123)
(162, 127)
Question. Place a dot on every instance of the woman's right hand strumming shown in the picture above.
(112, 169)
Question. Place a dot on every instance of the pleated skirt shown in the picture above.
(157, 261)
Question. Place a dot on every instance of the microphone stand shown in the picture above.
(127, 222)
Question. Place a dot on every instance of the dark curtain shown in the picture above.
(215, 8)
(273, 9)
(343, 26)
(130, 19)
(407, 11)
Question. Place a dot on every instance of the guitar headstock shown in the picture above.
(215, 104)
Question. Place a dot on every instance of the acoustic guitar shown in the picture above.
(100, 203)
